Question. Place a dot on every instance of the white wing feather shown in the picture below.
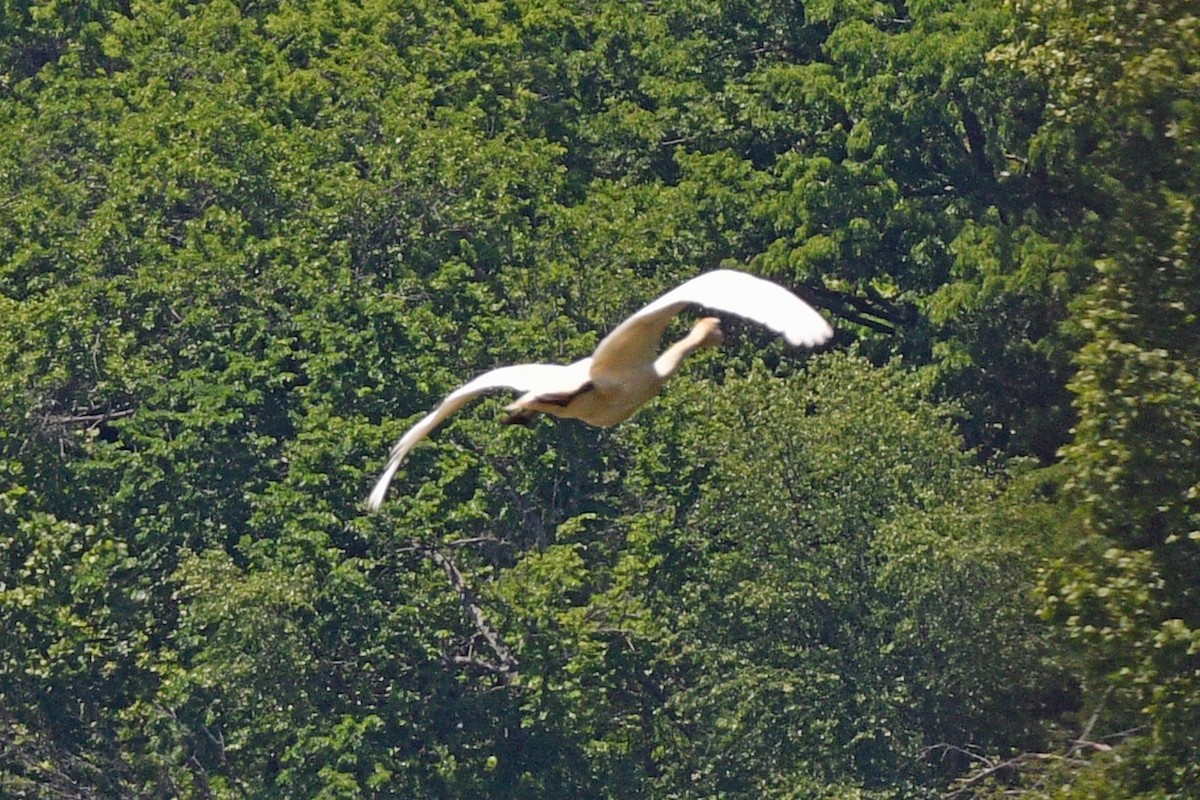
(637, 339)
(521, 377)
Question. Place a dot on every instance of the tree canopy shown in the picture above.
(245, 243)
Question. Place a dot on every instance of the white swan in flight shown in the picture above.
(626, 370)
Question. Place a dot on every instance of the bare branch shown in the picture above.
(950, 748)
(508, 666)
(481, 665)
(91, 419)
(964, 785)
(989, 766)
(1079, 744)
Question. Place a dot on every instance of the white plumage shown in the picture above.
(626, 369)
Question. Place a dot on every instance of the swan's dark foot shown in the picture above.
(521, 416)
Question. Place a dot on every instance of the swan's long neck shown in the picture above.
(704, 334)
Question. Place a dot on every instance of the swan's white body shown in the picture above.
(626, 370)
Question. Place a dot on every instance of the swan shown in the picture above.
(626, 369)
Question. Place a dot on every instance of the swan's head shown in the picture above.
(707, 332)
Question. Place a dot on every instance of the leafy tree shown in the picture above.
(844, 600)
(244, 244)
(1122, 132)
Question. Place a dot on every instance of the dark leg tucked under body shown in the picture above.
(524, 416)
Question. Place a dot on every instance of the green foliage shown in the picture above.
(35, 34)
(245, 243)
(846, 590)
(1130, 595)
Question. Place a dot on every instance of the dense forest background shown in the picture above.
(245, 243)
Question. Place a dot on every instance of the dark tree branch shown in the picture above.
(873, 311)
(976, 139)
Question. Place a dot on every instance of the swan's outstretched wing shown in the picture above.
(521, 377)
(636, 340)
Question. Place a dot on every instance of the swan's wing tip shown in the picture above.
(755, 298)
(375, 501)
(809, 334)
